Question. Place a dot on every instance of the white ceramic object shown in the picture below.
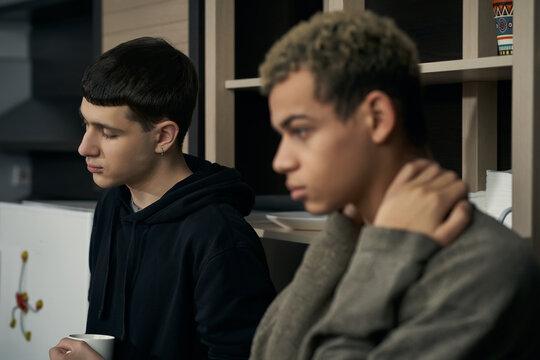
(297, 220)
(102, 344)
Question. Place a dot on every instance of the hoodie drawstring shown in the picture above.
(107, 261)
(129, 264)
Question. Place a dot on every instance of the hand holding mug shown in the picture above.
(83, 347)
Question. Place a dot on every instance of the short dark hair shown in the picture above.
(150, 76)
(349, 55)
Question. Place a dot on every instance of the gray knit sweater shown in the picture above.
(376, 293)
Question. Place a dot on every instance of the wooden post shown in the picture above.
(479, 110)
(333, 5)
(525, 111)
(219, 102)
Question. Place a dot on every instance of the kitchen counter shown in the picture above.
(268, 230)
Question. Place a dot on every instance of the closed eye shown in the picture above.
(108, 136)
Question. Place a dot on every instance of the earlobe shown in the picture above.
(167, 132)
(382, 114)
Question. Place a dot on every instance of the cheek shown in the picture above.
(347, 165)
(341, 154)
(127, 153)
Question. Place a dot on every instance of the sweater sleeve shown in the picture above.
(475, 299)
(385, 264)
(232, 293)
(296, 309)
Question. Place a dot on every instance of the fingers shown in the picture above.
(425, 198)
(67, 343)
(67, 349)
(410, 171)
(435, 177)
(443, 178)
(428, 174)
(73, 350)
(61, 350)
(457, 221)
(422, 172)
(450, 193)
(57, 353)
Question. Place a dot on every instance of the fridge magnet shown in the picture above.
(21, 298)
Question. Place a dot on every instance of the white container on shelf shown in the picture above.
(499, 194)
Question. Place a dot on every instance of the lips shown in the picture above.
(94, 169)
(297, 192)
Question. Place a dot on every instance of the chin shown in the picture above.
(317, 208)
(103, 183)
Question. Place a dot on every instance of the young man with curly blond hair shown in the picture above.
(344, 94)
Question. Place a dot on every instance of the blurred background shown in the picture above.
(45, 46)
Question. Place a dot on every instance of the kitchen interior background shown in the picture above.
(44, 47)
(46, 44)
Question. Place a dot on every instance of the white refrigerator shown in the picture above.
(44, 277)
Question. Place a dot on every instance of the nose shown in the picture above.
(284, 160)
(87, 147)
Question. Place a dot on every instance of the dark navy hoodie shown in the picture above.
(184, 278)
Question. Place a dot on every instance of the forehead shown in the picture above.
(110, 115)
(294, 94)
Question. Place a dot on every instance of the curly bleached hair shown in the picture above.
(349, 55)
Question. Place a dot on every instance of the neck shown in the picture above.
(169, 170)
(388, 166)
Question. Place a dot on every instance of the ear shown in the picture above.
(381, 118)
(166, 133)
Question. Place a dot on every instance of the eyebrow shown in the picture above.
(101, 125)
(287, 122)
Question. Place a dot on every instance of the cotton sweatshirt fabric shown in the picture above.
(376, 293)
(184, 278)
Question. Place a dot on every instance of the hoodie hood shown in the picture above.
(210, 183)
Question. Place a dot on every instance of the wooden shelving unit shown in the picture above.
(478, 71)
(491, 68)
(241, 84)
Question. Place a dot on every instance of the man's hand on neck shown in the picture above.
(427, 199)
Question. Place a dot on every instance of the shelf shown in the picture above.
(491, 68)
(268, 230)
(243, 84)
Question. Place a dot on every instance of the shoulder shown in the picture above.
(486, 239)
(487, 263)
(488, 280)
(222, 241)
(219, 227)
(217, 218)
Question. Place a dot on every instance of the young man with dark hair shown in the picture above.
(176, 271)
(344, 94)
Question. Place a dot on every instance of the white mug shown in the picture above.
(102, 344)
